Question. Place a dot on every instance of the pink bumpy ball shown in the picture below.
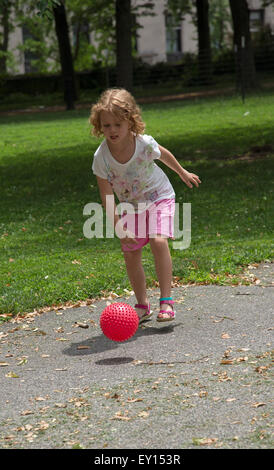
(119, 321)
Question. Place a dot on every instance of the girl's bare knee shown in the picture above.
(132, 256)
(158, 242)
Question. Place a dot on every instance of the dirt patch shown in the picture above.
(256, 152)
(149, 99)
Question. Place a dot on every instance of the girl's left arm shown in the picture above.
(169, 160)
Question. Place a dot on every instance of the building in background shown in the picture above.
(160, 38)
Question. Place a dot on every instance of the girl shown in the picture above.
(124, 164)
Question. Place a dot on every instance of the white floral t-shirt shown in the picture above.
(140, 180)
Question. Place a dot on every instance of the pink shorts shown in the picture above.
(156, 220)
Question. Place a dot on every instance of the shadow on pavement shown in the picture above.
(101, 343)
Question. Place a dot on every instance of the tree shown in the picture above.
(6, 8)
(204, 46)
(245, 65)
(56, 9)
(178, 8)
(61, 27)
(124, 61)
(96, 18)
(220, 24)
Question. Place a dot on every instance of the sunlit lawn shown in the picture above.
(46, 180)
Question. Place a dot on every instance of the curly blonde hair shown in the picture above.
(122, 104)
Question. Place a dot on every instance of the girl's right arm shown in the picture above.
(105, 190)
(108, 202)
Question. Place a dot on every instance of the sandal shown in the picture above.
(170, 313)
(146, 315)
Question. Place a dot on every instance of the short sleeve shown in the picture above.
(151, 147)
(98, 165)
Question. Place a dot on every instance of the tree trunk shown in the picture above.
(204, 47)
(124, 61)
(5, 31)
(245, 65)
(61, 27)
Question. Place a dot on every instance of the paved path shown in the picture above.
(203, 381)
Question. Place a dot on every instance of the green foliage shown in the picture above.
(220, 25)
(96, 18)
(85, 18)
(266, 3)
(44, 51)
(178, 8)
(44, 8)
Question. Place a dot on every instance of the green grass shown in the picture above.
(46, 179)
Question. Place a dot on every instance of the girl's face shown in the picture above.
(114, 130)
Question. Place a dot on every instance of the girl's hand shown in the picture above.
(190, 178)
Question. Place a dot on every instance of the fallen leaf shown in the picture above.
(143, 414)
(261, 369)
(204, 441)
(19, 428)
(30, 436)
(116, 396)
(23, 361)
(223, 377)
(9, 438)
(81, 325)
(241, 359)
(120, 416)
(84, 418)
(59, 330)
(256, 405)
(42, 426)
(225, 336)
(3, 364)
(39, 332)
(26, 412)
(12, 375)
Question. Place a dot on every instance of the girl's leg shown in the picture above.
(136, 275)
(163, 266)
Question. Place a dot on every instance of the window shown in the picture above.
(29, 55)
(256, 20)
(173, 36)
